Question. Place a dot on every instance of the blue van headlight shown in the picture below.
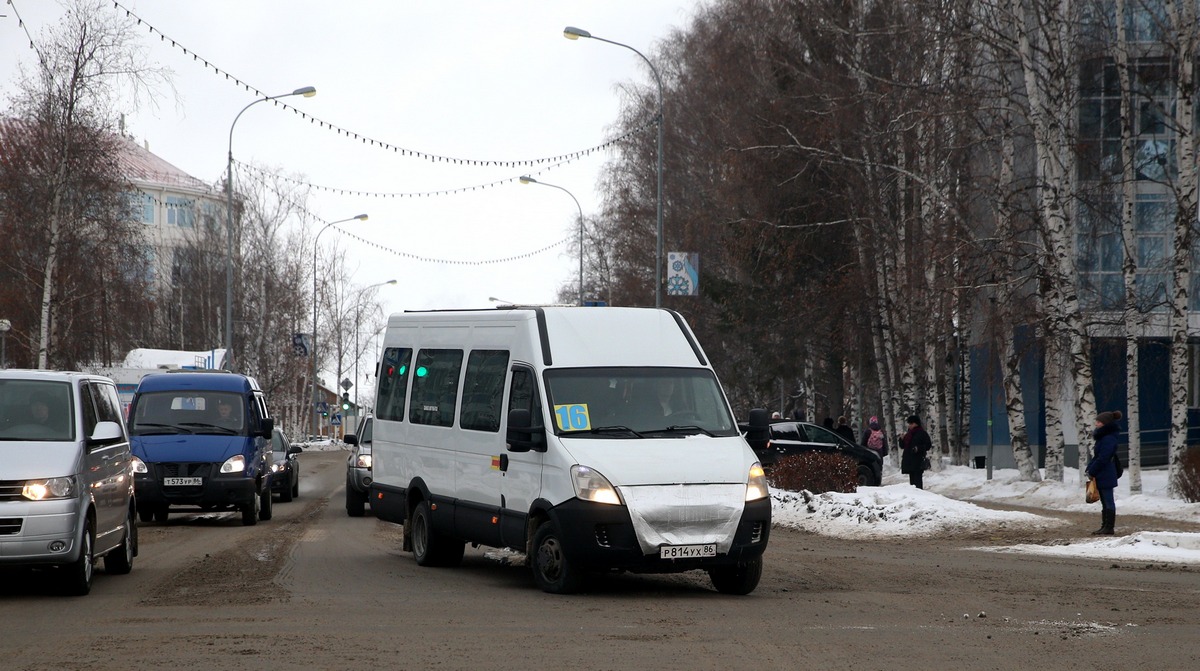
(234, 464)
(52, 488)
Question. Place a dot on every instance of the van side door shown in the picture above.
(521, 481)
(107, 464)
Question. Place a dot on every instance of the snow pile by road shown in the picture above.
(946, 506)
(894, 510)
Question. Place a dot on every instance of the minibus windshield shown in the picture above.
(36, 410)
(637, 403)
(191, 411)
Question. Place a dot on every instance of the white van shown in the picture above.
(587, 438)
(66, 486)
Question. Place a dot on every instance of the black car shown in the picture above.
(798, 437)
(285, 467)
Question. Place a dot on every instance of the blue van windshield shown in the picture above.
(638, 402)
(189, 411)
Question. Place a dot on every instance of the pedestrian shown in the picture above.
(827, 423)
(874, 437)
(1103, 468)
(844, 430)
(915, 445)
(776, 416)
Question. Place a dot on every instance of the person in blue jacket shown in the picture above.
(1103, 468)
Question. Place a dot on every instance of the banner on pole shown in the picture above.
(683, 274)
(300, 344)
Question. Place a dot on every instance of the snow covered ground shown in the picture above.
(948, 502)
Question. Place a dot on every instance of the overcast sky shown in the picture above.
(471, 79)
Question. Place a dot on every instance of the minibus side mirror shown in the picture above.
(350, 439)
(521, 436)
(266, 427)
(759, 433)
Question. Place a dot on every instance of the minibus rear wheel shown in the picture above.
(428, 546)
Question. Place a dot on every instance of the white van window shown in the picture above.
(393, 383)
(524, 394)
(435, 386)
(658, 401)
(88, 406)
(483, 390)
(36, 410)
(108, 404)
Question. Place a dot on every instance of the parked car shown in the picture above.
(285, 467)
(66, 497)
(789, 438)
(358, 468)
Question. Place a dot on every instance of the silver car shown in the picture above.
(66, 488)
(358, 468)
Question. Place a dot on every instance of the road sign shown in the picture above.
(336, 420)
(346, 384)
(322, 406)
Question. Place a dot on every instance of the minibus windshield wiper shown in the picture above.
(616, 428)
(685, 428)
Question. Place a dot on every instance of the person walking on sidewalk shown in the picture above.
(1103, 467)
(915, 445)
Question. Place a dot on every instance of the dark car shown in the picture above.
(285, 467)
(358, 468)
(799, 437)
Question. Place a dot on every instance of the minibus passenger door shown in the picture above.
(521, 465)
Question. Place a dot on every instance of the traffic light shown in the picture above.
(345, 401)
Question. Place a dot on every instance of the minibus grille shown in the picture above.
(10, 526)
(10, 490)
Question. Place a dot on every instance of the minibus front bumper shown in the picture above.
(221, 491)
(599, 536)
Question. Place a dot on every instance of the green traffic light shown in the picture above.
(421, 371)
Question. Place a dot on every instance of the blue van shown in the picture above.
(201, 441)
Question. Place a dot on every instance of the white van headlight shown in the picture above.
(591, 486)
(53, 488)
(363, 461)
(234, 464)
(138, 466)
(756, 483)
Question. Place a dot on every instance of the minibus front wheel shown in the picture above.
(738, 579)
(552, 570)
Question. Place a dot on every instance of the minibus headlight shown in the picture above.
(591, 486)
(138, 466)
(756, 483)
(53, 488)
(234, 464)
(363, 461)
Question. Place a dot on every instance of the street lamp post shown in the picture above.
(307, 92)
(357, 353)
(572, 33)
(526, 179)
(313, 416)
(5, 327)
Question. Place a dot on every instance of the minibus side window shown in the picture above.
(483, 390)
(524, 395)
(89, 410)
(435, 386)
(393, 383)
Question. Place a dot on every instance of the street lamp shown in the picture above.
(572, 33)
(357, 354)
(313, 423)
(307, 92)
(526, 179)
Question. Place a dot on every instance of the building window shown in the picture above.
(180, 212)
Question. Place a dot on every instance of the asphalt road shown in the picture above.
(316, 589)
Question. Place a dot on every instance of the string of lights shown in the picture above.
(403, 151)
(381, 194)
(25, 28)
(311, 217)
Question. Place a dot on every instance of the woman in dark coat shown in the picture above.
(915, 445)
(1103, 468)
